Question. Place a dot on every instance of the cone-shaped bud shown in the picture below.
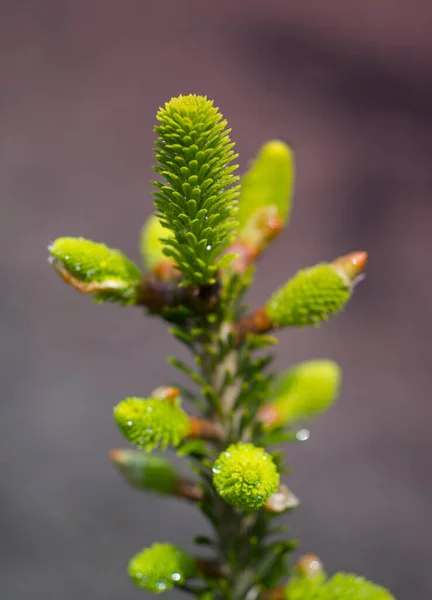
(303, 392)
(161, 567)
(265, 201)
(245, 476)
(151, 422)
(93, 268)
(316, 293)
(196, 200)
(340, 587)
(269, 182)
(152, 249)
(144, 471)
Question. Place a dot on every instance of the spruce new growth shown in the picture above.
(199, 252)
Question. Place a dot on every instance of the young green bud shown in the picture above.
(268, 182)
(154, 474)
(151, 422)
(196, 200)
(245, 476)
(265, 196)
(93, 268)
(161, 567)
(316, 293)
(144, 471)
(152, 250)
(340, 587)
(303, 392)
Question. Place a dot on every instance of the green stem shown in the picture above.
(231, 525)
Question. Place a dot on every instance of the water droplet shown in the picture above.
(161, 585)
(130, 423)
(303, 435)
(209, 247)
(175, 576)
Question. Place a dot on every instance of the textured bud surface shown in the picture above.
(90, 262)
(196, 201)
(161, 567)
(145, 471)
(310, 297)
(306, 391)
(342, 586)
(245, 476)
(149, 423)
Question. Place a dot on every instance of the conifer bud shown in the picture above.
(316, 293)
(245, 476)
(303, 392)
(152, 250)
(265, 201)
(144, 471)
(151, 422)
(154, 474)
(161, 567)
(339, 587)
(93, 268)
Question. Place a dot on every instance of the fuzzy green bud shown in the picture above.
(144, 471)
(93, 268)
(152, 249)
(149, 423)
(303, 392)
(161, 567)
(196, 200)
(340, 587)
(268, 184)
(312, 296)
(245, 476)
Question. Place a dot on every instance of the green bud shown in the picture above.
(309, 298)
(245, 476)
(93, 268)
(145, 472)
(303, 392)
(340, 587)
(161, 567)
(269, 182)
(152, 249)
(151, 422)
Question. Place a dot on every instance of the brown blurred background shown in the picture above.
(349, 84)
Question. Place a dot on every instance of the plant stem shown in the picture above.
(232, 526)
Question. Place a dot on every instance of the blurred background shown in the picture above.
(349, 85)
